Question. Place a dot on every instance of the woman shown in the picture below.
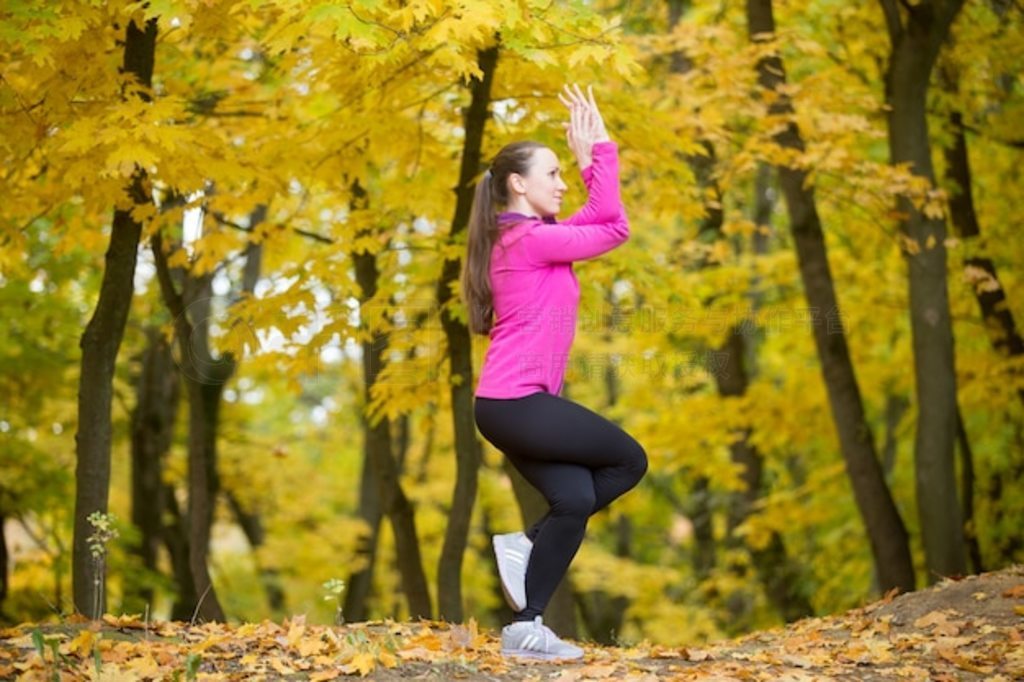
(520, 289)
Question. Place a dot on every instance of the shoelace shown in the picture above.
(533, 642)
(538, 624)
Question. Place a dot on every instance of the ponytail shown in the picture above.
(476, 277)
(491, 194)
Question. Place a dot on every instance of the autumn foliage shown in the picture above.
(287, 153)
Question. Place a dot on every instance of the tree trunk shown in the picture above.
(175, 534)
(602, 613)
(252, 525)
(467, 447)
(886, 532)
(996, 313)
(916, 40)
(896, 405)
(152, 432)
(4, 559)
(700, 501)
(980, 271)
(100, 343)
(205, 378)
(202, 382)
(967, 495)
(205, 384)
(378, 448)
(357, 593)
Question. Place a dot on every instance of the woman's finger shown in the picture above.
(575, 96)
(580, 96)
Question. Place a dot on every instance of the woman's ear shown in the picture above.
(515, 181)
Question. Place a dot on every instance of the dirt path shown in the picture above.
(971, 629)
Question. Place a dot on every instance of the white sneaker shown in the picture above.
(525, 639)
(513, 553)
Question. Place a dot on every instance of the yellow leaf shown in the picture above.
(310, 646)
(145, 665)
(295, 633)
(209, 643)
(82, 644)
(363, 663)
(279, 665)
(129, 621)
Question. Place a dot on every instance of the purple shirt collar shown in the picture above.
(509, 215)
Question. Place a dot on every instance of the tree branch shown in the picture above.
(297, 230)
(174, 301)
(1014, 144)
(892, 20)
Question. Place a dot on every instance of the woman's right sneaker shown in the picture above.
(533, 639)
(512, 551)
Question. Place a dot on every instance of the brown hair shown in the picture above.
(490, 196)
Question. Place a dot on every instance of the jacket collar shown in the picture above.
(512, 216)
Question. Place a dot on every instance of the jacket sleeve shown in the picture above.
(598, 227)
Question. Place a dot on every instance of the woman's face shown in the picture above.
(542, 187)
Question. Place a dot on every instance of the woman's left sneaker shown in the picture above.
(513, 553)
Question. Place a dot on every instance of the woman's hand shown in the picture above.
(585, 126)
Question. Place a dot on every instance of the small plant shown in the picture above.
(335, 588)
(103, 532)
(40, 642)
(192, 666)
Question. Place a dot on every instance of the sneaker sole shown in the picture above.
(537, 656)
(499, 549)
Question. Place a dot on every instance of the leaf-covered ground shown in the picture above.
(958, 630)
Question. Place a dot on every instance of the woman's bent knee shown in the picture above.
(638, 460)
(578, 503)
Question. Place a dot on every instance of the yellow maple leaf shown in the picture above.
(310, 646)
(280, 666)
(145, 666)
(388, 659)
(83, 643)
(295, 633)
(362, 663)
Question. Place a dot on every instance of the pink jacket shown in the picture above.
(536, 295)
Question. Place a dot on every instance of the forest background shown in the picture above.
(229, 282)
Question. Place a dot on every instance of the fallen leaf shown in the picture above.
(280, 666)
(980, 596)
(890, 595)
(311, 647)
(599, 672)
(145, 666)
(1015, 592)
(418, 653)
(363, 663)
(387, 659)
(930, 619)
(82, 644)
(696, 655)
(130, 621)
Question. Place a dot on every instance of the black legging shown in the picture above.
(577, 459)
